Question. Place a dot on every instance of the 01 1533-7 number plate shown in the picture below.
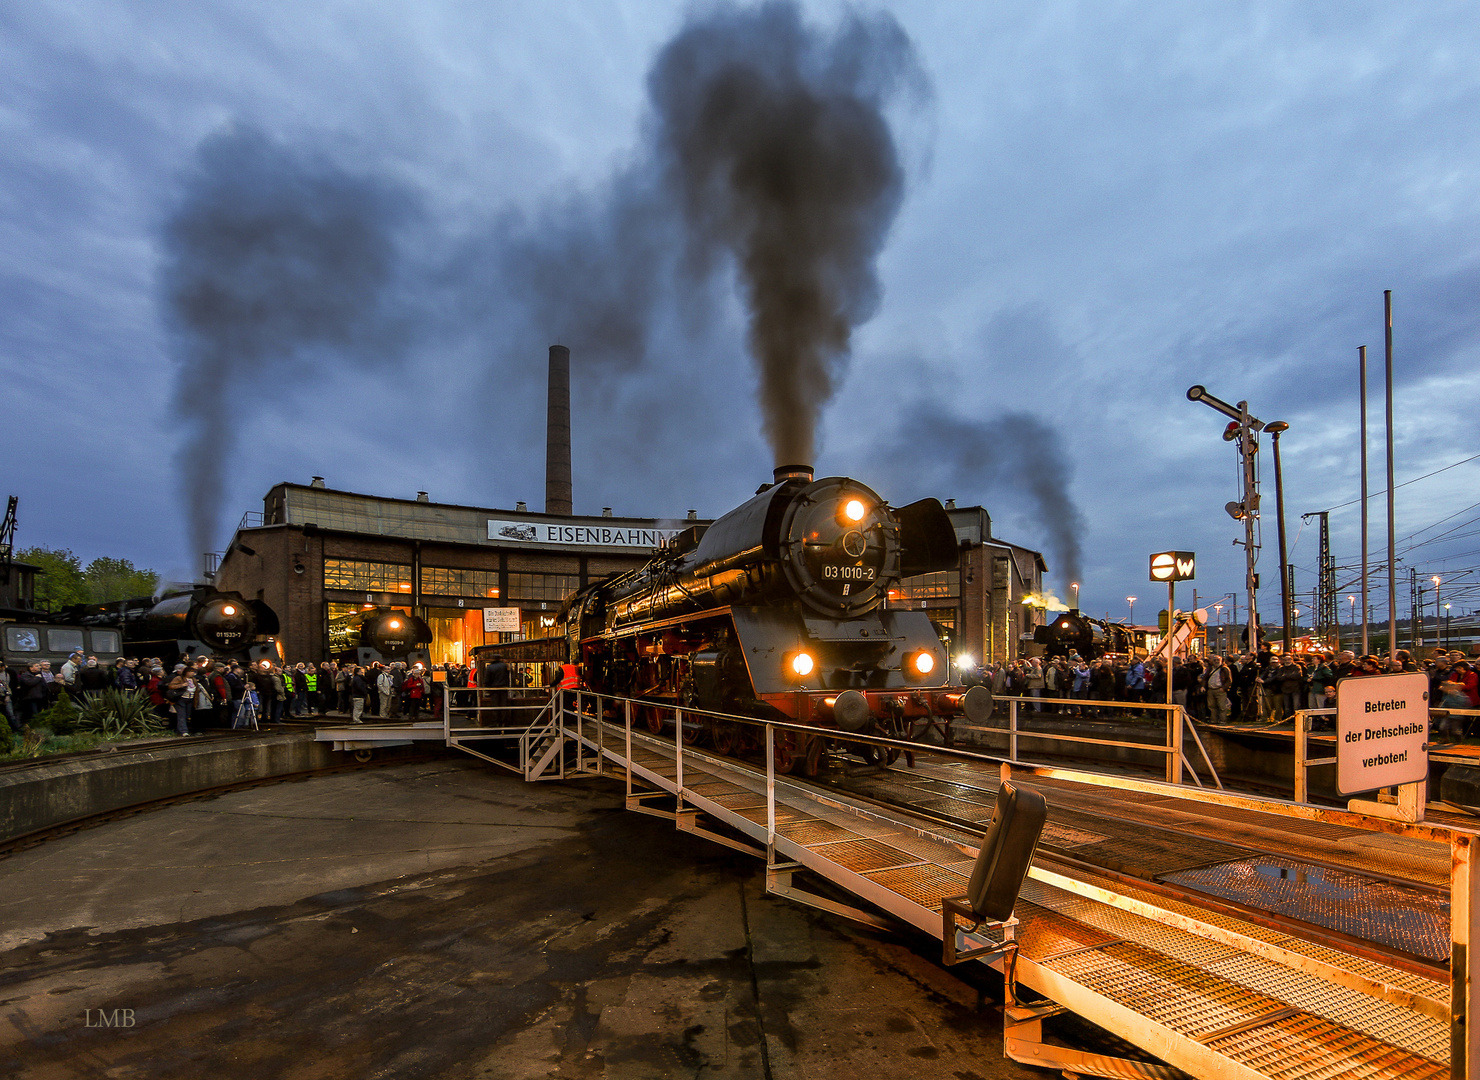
(1382, 724)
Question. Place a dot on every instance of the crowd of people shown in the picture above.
(211, 693)
(1253, 688)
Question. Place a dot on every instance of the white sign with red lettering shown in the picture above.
(501, 620)
(1382, 726)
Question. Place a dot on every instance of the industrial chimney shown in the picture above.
(557, 434)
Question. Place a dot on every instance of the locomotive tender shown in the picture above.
(779, 609)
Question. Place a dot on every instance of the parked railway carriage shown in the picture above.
(779, 609)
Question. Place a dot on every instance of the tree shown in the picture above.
(61, 581)
(117, 579)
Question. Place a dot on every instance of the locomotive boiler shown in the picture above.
(185, 625)
(780, 609)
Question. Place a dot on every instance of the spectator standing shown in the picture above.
(32, 688)
(181, 693)
(1217, 680)
(415, 688)
(387, 688)
(358, 690)
(7, 699)
(328, 688)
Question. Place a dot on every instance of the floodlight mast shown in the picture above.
(1246, 438)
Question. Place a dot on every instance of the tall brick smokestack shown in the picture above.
(557, 434)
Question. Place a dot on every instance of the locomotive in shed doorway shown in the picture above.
(779, 610)
(386, 635)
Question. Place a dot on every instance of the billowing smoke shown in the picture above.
(274, 262)
(766, 152)
(765, 159)
(774, 138)
(1012, 452)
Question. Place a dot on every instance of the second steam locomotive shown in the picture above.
(779, 609)
(185, 625)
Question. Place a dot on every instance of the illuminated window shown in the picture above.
(366, 576)
(450, 581)
(545, 587)
(942, 585)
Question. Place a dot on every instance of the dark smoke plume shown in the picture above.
(773, 137)
(274, 262)
(1013, 452)
(766, 151)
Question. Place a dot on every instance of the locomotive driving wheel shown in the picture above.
(652, 718)
(812, 759)
(785, 748)
(725, 735)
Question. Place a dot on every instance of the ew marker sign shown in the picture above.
(1382, 726)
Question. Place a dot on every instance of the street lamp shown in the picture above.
(1276, 429)
(1435, 580)
(1446, 626)
(1131, 601)
(1075, 586)
(1352, 602)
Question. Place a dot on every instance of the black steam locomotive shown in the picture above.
(386, 635)
(779, 608)
(185, 625)
(1075, 632)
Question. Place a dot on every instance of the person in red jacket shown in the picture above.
(415, 689)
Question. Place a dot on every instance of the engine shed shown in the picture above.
(479, 575)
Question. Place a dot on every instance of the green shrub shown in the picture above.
(60, 719)
(117, 714)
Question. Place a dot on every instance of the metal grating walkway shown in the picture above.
(1211, 994)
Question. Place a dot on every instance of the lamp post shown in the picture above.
(1276, 429)
(1131, 602)
(1435, 580)
(1075, 586)
(1218, 622)
(1352, 602)
(1446, 626)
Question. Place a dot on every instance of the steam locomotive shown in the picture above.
(184, 625)
(1075, 632)
(387, 635)
(779, 609)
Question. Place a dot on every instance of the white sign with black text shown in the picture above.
(501, 620)
(1382, 724)
(612, 536)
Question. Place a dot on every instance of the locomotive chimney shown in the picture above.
(557, 434)
(793, 472)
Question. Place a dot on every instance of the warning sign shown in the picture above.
(501, 620)
(1382, 725)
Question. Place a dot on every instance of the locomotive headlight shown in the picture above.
(922, 663)
(802, 664)
(228, 610)
(854, 510)
(394, 624)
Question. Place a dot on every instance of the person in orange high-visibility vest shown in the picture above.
(570, 676)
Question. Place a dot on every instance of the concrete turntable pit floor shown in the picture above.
(444, 919)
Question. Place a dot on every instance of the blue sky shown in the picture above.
(1103, 204)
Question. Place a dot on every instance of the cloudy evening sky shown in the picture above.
(1103, 204)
